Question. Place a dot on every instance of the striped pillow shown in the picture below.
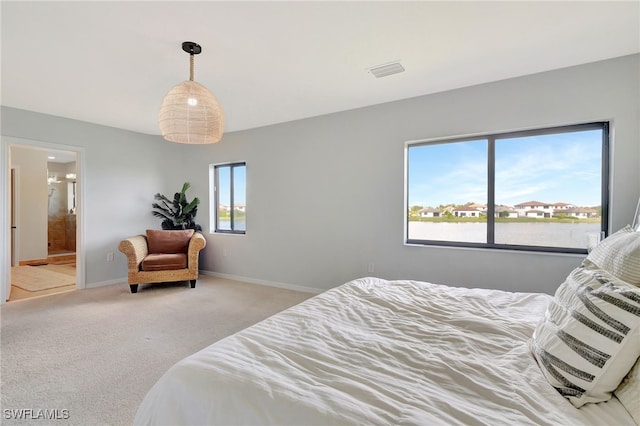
(619, 254)
(628, 392)
(590, 336)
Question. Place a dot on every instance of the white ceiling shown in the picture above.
(269, 62)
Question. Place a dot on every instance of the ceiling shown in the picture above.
(270, 62)
(58, 156)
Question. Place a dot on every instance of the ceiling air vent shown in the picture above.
(386, 69)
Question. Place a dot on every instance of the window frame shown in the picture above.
(490, 139)
(214, 170)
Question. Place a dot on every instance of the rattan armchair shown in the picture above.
(148, 262)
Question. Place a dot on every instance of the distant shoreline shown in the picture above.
(483, 219)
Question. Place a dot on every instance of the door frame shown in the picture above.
(5, 205)
(14, 215)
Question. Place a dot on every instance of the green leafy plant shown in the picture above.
(177, 213)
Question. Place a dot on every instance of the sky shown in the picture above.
(239, 185)
(554, 168)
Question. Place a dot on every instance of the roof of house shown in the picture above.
(531, 204)
(580, 210)
(465, 209)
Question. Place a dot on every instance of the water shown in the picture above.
(240, 225)
(572, 235)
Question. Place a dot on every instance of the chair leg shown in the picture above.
(134, 288)
(193, 283)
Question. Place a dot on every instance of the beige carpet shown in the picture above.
(37, 278)
(96, 352)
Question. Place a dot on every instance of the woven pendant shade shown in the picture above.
(190, 113)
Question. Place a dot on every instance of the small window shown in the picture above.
(228, 183)
(540, 190)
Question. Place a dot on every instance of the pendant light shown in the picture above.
(190, 113)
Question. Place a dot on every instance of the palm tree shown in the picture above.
(177, 213)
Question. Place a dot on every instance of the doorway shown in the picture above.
(44, 201)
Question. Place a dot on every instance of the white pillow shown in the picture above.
(590, 336)
(619, 254)
(629, 392)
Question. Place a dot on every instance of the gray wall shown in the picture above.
(122, 172)
(325, 195)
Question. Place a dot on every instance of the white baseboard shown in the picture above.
(228, 277)
(108, 282)
(263, 282)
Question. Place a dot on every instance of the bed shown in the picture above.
(400, 352)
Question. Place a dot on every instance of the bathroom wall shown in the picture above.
(31, 211)
(61, 229)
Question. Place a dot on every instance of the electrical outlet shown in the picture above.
(372, 267)
(110, 256)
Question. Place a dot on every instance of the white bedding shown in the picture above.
(377, 352)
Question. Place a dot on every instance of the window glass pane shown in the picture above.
(548, 189)
(239, 202)
(224, 198)
(447, 192)
(228, 195)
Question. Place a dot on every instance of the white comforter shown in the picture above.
(375, 352)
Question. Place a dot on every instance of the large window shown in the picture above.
(229, 205)
(543, 190)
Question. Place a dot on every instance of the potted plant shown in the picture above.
(177, 213)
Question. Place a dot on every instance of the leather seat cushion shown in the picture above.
(169, 241)
(164, 262)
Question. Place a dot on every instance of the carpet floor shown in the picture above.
(93, 354)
